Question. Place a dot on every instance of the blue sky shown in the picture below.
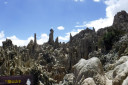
(20, 19)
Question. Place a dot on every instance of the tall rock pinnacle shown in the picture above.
(35, 41)
(51, 40)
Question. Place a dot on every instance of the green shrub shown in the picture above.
(107, 40)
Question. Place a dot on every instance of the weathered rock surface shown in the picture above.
(89, 68)
(90, 72)
(120, 72)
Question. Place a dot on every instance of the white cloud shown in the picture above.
(83, 25)
(100, 23)
(60, 28)
(113, 6)
(80, 25)
(84, 0)
(44, 38)
(5, 2)
(76, 0)
(96, 0)
(66, 38)
(79, 0)
(74, 32)
(19, 42)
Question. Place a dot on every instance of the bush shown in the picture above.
(112, 35)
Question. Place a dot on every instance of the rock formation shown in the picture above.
(89, 68)
(89, 58)
(35, 41)
(51, 39)
(56, 43)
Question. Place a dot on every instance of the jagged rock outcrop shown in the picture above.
(56, 43)
(84, 33)
(7, 44)
(86, 41)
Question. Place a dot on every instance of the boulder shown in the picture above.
(89, 68)
(120, 73)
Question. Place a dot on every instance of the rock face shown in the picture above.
(87, 42)
(85, 69)
(81, 45)
(120, 17)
